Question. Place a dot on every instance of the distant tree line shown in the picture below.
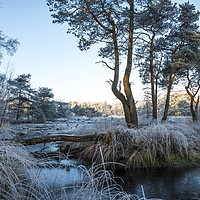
(179, 106)
(96, 109)
(20, 102)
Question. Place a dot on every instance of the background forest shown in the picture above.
(21, 102)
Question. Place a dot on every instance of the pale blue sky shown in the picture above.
(51, 56)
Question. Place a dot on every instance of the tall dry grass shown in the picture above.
(161, 144)
(100, 184)
(15, 183)
(15, 172)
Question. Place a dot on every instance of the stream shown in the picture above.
(162, 183)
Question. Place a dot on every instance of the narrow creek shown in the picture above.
(162, 183)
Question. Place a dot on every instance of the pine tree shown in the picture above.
(182, 48)
(7, 45)
(46, 107)
(22, 96)
(151, 26)
(110, 22)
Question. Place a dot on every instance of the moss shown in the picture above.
(148, 159)
(177, 160)
(193, 157)
(174, 159)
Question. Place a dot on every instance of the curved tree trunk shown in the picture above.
(126, 82)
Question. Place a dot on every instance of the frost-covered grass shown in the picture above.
(163, 144)
(15, 168)
(87, 126)
(101, 184)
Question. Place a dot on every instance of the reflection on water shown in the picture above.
(48, 147)
(167, 184)
(58, 177)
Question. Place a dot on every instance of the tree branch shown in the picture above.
(105, 63)
(95, 18)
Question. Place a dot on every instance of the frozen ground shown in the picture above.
(71, 126)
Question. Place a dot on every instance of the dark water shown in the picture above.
(161, 183)
(166, 184)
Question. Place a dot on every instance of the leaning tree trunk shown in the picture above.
(193, 109)
(167, 103)
(171, 80)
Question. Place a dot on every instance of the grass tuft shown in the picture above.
(153, 145)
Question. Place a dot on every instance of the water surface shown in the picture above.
(164, 183)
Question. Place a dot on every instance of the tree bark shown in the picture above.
(133, 121)
(19, 105)
(194, 116)
(171, 80)
(128, 101)
(196, 109)
(3, 113)
(153, 92)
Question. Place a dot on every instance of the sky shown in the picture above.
(51, 55)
